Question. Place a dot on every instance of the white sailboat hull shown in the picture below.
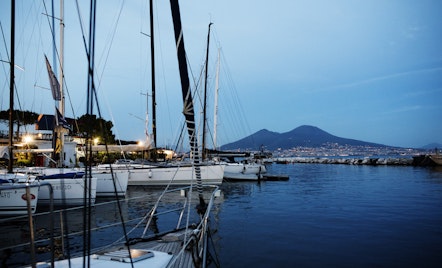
(240, 171)
(13, 198)
(159, 176)
(249, 168)
(105, 182)
(151, 175)
(67, 191)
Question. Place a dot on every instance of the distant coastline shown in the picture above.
(390, 161)
(355, 155)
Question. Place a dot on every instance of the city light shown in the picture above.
(27, 139)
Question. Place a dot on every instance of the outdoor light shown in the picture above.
(27, 139)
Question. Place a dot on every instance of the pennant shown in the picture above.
(61, 121)
(55, 86)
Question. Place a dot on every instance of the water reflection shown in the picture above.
(105, 224)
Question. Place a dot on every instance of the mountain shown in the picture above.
(306, 136)
(432, 146)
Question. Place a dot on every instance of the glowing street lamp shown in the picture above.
(27, 139)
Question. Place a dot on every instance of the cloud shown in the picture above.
(379, 78)
(423, 92)
(404, 109)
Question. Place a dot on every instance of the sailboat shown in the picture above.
(245, 170)
(152, 173)
(185, 245)
(68, 182)
(18, 195)
(68, 187)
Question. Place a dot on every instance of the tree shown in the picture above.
(97, 128)
(22, 117)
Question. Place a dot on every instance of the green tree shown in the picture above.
(97, 127)
(22, 117)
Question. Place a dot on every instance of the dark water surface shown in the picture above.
(324, 216)
(334, 216)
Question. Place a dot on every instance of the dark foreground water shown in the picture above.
(324, 216)
(334, 216)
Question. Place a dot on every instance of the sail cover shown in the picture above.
(188, 109)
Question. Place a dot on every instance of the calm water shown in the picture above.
(334, 216)
(325, 215)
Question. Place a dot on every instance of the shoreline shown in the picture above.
(419, 160)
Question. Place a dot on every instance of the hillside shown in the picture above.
(306, 136)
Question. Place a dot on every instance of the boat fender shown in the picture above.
(150, 174)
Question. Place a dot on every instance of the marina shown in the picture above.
(324, 215)
(190, 184)
(184, 244)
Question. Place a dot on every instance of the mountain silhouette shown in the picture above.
(306, 136)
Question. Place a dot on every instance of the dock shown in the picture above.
(275, 177)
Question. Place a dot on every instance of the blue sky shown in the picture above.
(366, 70)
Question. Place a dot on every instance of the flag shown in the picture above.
(61, 121)
(55, 86)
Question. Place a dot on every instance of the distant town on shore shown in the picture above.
(312, 141)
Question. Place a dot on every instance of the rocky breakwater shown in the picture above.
(348, 161)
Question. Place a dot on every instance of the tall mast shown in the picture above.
(188, 110)
(152, 53)
(215, 111)
(205, 97)
(61, 102)
(54, 45)
(11, 86)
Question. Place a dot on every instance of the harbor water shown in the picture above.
(323, 216)
(334, 216)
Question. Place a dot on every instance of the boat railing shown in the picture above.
(201, 233)
(175, 202)
(29, 215)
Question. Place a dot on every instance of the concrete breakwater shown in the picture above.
(397, 161)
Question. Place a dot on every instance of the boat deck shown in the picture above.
(166, 251)
(171, 244)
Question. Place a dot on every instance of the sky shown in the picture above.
(365, 70)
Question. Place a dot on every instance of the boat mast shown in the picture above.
(11, 87)
(152, 53)
(188, 110)
(215, 112)
(205, 97)
(61, 102)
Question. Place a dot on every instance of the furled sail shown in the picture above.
(188, 109)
